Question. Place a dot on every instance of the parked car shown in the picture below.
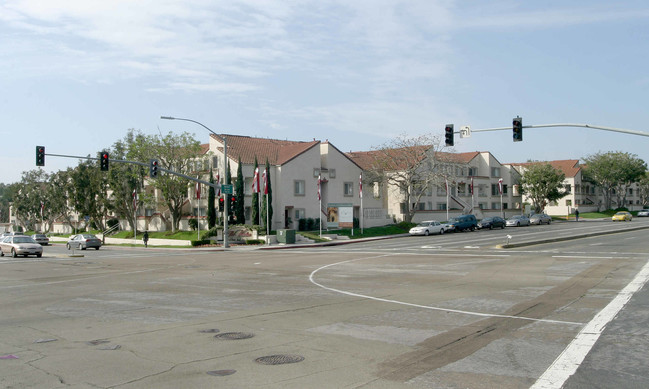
(428, 227)
(492, 222)
(20, 245)
(643, 213)
(83, 241)
(540, 218)
(42, 239)
(517, 221)
(462, 222)
(622, 216)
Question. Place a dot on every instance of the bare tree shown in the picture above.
(414, 165)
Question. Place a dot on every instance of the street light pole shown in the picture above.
(225, 159)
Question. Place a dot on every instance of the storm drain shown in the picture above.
(210, 331)
(234, 335)
(221, 373)
(279, 359)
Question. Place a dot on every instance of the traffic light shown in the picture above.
(233, 202)
(448, 133)
(103, 164)
(40, 155)
(221, 204)
(153, 168)
(517, 126)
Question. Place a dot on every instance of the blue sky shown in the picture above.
(75, 75)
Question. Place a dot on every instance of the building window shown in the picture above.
(298, 187)
(300, 213)
(441, 206)
(332, 173)
(421, 207)
(568, 203)
(495, 205)
(348, 188)
(568, 188)
(377, 190)
(196, 210)
(495, 172)
(316, 172)
(149, 212)
(473, 171)
(402, 208)
(215, 162)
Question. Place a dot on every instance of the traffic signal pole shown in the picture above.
(632, 132)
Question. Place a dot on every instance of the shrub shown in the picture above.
(200, 242)
(301, 224)
(193, 224)
(310, 224)
(255, 241)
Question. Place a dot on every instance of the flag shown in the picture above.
(255, 181)
(265, 180)
(500, 186)
(446, 184)
(471, 185)
(319, 195)
(218, 185)
(42, 208)
(198, 190)
(360, 186)
(134, 198)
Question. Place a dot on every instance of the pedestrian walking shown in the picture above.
(145, 238)
(576, 215)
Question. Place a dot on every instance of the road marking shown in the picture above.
(569, 360)
(313, 281)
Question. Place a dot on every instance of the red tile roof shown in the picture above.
(569, 167)
(278, 152)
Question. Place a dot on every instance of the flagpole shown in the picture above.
(360, 193)
(320, 202)
(135, 215)
(198, 210)
(446, 182)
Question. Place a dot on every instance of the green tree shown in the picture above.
(88, 192)
(211, 208)
(267, 200)
(176, 153)
(239, 213)
(125, 179)
(614, 172)
(643, 189)
(542, 184)
(29, 195)
(254, 213)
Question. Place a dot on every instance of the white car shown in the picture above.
(428, 227)
(644, 212)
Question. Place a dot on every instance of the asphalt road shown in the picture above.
(447, 311)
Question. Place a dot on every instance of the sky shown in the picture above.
(76, 75)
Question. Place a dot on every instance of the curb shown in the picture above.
(564, 238)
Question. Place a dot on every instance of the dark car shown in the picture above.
(462, 222)
(83, 241)
(492, 222)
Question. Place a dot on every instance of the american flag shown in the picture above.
(255, 181)
(500, 186)
(265, 180)
(360, 186)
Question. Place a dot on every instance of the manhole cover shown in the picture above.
(279, 359)
(210, 331)
(234, 335)
(221, 373)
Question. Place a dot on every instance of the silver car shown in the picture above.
(20, 245)
(540, 218)
(517, 221)
(428, 227)
(83, 241)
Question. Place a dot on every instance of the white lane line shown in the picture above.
(312, 279)
(569, 360)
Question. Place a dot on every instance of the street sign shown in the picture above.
(465, 132)
(227, 189)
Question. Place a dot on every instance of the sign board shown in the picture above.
(340, 215)
(227, 189)
(465, 132)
